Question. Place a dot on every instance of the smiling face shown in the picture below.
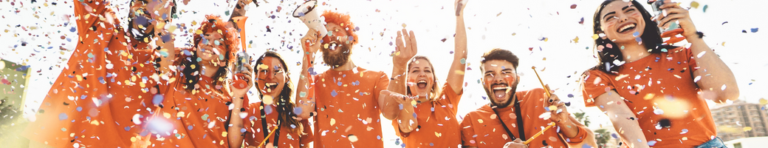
(622, 22)
(421, 77)
(212, 48)
(271, 76)
(499, 81)
(336, 46)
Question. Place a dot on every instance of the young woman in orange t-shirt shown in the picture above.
(274, 113)
(654, 92)
(427, 115)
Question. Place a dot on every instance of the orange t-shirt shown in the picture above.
(438, 126)
(254, 131)
(481, 128)
(659, 79)
(106, 83)
(347, 106)
(190, 119)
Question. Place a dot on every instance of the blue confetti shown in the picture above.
(63, 116)
(157, 99)
(401, 106)
(127, 128)
(82, 97)
(297, 110)
(636, 33)
(267, 110)
(378, 137)
(73, 29)
(570, 95)
(333, 93)
(338, 83)
(754, 30)
(652, 143)
(189, 127)
(79, 108)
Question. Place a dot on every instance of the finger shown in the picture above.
(666, 21)
(407, 39)
(413, 42)
(399, 41)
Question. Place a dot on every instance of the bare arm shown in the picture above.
(623, 119)
(304, 89)
(234, 134)
(715, 77)
(456, 74)
(406, 121)
(406, 49)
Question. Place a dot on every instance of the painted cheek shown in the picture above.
(510, 79)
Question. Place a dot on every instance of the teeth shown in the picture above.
(500, 88)
(626, 27)
(422, 81)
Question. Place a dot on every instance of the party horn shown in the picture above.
(548, 95)
(270, 135)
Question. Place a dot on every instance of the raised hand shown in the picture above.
(247, 75)
(310, 42)
(676, 13)
(404, 51)
(459, 5)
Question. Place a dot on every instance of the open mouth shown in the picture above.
(627, 28)
(270, 86)
(333, 46)
(500, 90)
(422, 84)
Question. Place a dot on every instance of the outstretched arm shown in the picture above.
(456, 74)
(305, 97)
(624, 121)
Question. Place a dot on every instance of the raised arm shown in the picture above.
(305, 94)
(624, 121)
(404, 52)
(714, 77)
(456, 74)
(164, 40)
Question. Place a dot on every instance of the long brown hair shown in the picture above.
(284, 104)
(433, 94)
(190, 67)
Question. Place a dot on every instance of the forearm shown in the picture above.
(456, 74)
(236, 123)
(390, 108)
(304, 91)
(713, 73)
(623, 119)
(568, 129)
(407, 119)
(397, 83)
(167, 50)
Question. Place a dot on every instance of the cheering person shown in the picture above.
(427, 116)
(274, 113)
(652, 92)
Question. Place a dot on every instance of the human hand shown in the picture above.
(515, 144)
(404, 51)
(673, 12)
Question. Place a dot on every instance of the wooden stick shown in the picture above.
(539, 133)
(270, 135)
(548, 95)
(542, 82)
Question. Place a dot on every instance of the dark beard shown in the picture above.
(509, 98)
(339, 59)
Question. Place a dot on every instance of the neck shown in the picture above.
(209, 69)
(347, 66)
(633, 51)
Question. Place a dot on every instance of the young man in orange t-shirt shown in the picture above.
(513, 117)
(345, 99)
(100, 97)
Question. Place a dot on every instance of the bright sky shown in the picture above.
(516, 26)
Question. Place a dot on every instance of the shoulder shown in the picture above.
(371, 72)
(531, 95)
(478, 113)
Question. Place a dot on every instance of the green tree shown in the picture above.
(582, 117)
(602, 136)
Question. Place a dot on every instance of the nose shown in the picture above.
(270, 75)
(623, 18)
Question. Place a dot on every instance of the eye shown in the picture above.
(428, 71)
(609, 18)
(630, 10)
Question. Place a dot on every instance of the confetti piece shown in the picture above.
(333, 121)
(63, 116)
(695, 4)
(352, 138)
(267, 99)
(573, 6)
(763, 101)
(754, 30)
(545, 115)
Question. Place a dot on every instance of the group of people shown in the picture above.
(135, 88)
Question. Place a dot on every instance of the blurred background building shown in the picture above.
(14, 79)
(740, 120)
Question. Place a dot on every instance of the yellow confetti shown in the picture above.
(133, 139)
(404, 26)
(180, 114)
(333, 121)
(576, 40)
(79, 78)
(262, 66)
(167, 115)
(551, 108)
(763, 101)
(224, 134)
(325, 46)
(595, 36)
(194, 23)
(480, 120)
(460, 72)
(747, 128)
(199, 32)
(267, 99)
(649, 96)
(352, 138)
(438, 134)
(694, 4)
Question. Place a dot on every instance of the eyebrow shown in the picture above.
(609, 13)
(488, 71)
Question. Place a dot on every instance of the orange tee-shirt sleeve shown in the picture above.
(468, 132)
(582, 133)
(593, 84)
(310, 137)
(451, 97)
(381, 84)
